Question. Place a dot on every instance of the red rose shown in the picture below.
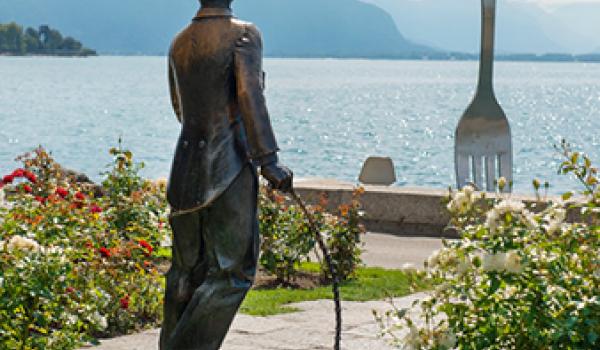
(30, 176)
(62, 192)
(94, 209)
(105, 252)
(146, 246)
(27, 188)
(41, 199)
(8, 179)
(124, 301)
(18, 173)
(70, 290)
(80, 196)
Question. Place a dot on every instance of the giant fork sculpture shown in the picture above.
(483, 144)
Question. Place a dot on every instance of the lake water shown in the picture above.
(329, 115)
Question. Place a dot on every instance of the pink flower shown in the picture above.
(94, 209)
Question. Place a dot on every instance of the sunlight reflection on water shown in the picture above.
(329, 114)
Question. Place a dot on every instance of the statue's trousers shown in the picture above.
(215, 252)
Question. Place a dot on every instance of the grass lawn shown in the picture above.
(370, 284)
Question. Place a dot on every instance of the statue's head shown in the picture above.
(216, 3)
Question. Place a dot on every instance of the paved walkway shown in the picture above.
(313, 327)
(394, 252)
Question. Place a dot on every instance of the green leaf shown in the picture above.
(566, 196)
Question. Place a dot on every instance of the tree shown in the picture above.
(71, 44)
(53, 39)
(32, 40)
(11, 38)
(15, 41)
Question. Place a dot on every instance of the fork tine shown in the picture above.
(462, 170)
(490, 165)
(478, 172)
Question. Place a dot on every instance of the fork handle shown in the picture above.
(486, 61)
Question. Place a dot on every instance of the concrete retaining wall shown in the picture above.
(397, 210)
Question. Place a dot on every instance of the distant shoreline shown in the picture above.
(65, 54)
(551, 58)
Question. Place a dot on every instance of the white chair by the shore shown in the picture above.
(378, 171)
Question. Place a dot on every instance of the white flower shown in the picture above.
(463, 266)
(72, 319)
(166, 241)
(510, 206)
(161, 182)
(99, 320)
(491, 221)
(412, 340)
(469, 190)
(553, 226)
(556, 213)
(22, 244)
(2, 197)
(462, 201)
(494, 262)
(442, 257)
(513, 262)
(529, 219)
(502, 183)
(433, 259)
(447, 340)
(409, 267)
(495, 215)
(510, 292)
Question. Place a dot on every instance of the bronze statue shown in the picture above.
(217, 82)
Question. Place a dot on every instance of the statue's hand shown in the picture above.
(280, 177)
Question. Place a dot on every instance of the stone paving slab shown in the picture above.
(393, 252)
(310, 329)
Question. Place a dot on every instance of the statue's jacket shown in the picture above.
(217, 83)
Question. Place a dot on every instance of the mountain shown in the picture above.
(583, 18)
(332, 28)
(522, 26)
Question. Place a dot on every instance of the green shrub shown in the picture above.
(344, 238)
(288, 241)
(89, 263)
(104, 279)
(519, 277)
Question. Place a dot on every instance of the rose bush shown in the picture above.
(520, 277)
(75, 267)
(79, 261)
(286, 239)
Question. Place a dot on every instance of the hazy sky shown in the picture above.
(563, 1)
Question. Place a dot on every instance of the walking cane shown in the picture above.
(336, 281)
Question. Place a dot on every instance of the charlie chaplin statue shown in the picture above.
(217, 82)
